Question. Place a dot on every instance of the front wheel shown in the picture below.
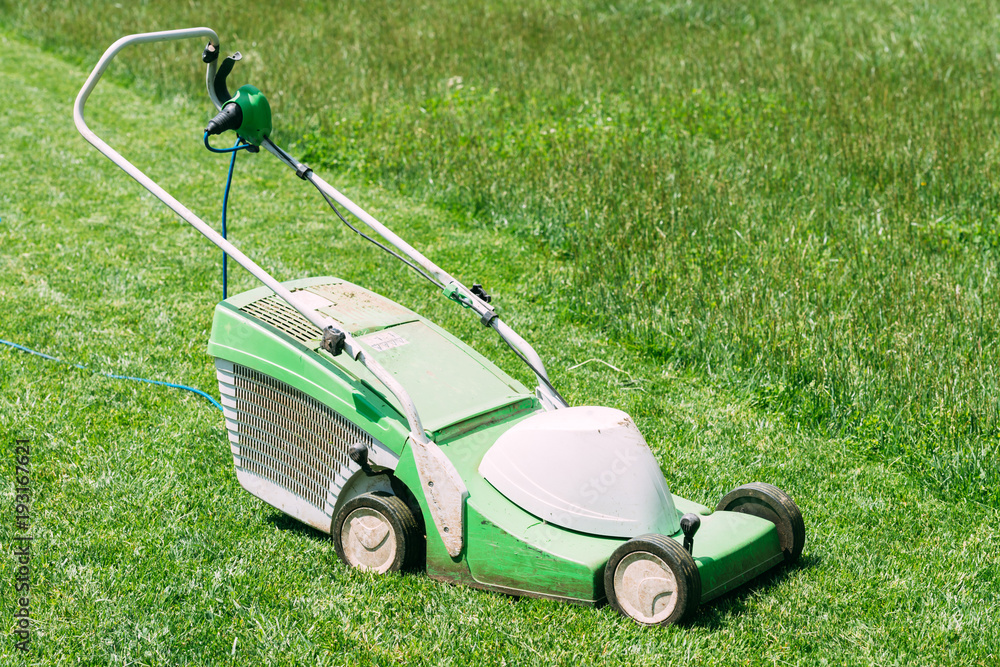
(653, 580)
(376, 531)
(769, 502)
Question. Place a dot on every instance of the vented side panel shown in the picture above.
(291, 440)
(274, 311)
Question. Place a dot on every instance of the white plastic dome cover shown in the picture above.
(583, 468)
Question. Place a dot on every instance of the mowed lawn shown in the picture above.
(754, 318)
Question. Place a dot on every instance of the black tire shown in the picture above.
(769, 502)
(650, 605)
(381, 533)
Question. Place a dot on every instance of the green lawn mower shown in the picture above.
(359, 417)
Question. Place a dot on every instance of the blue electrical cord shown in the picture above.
(225, 203)
(239, 145)
(112, 375)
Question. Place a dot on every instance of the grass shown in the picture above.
(790, 198)
(776, 218)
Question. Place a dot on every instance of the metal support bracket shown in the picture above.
(445, 493)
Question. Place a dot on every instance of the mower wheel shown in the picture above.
(376, 531)
(769, 502)
(653, 580)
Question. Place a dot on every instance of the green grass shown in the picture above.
(790, 198)
(777, 218)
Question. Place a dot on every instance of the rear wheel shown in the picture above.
(653, 580)
(376, 531)
(769, 502)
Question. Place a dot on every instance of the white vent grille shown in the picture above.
(274, 311)
(284, 436)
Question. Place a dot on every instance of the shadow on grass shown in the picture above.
(286, 523)
(712, 616)
(416, 563)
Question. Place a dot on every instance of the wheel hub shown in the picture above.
(646, 588)
(368, 540)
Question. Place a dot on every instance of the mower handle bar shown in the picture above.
(479, 306)
(351, 346)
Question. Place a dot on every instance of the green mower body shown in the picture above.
(293, 410)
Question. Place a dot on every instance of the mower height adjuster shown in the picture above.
(334, 341)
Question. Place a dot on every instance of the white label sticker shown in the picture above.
(383, 340)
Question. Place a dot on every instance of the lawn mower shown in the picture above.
(357, 416)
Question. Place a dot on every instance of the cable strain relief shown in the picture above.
(230, 117)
